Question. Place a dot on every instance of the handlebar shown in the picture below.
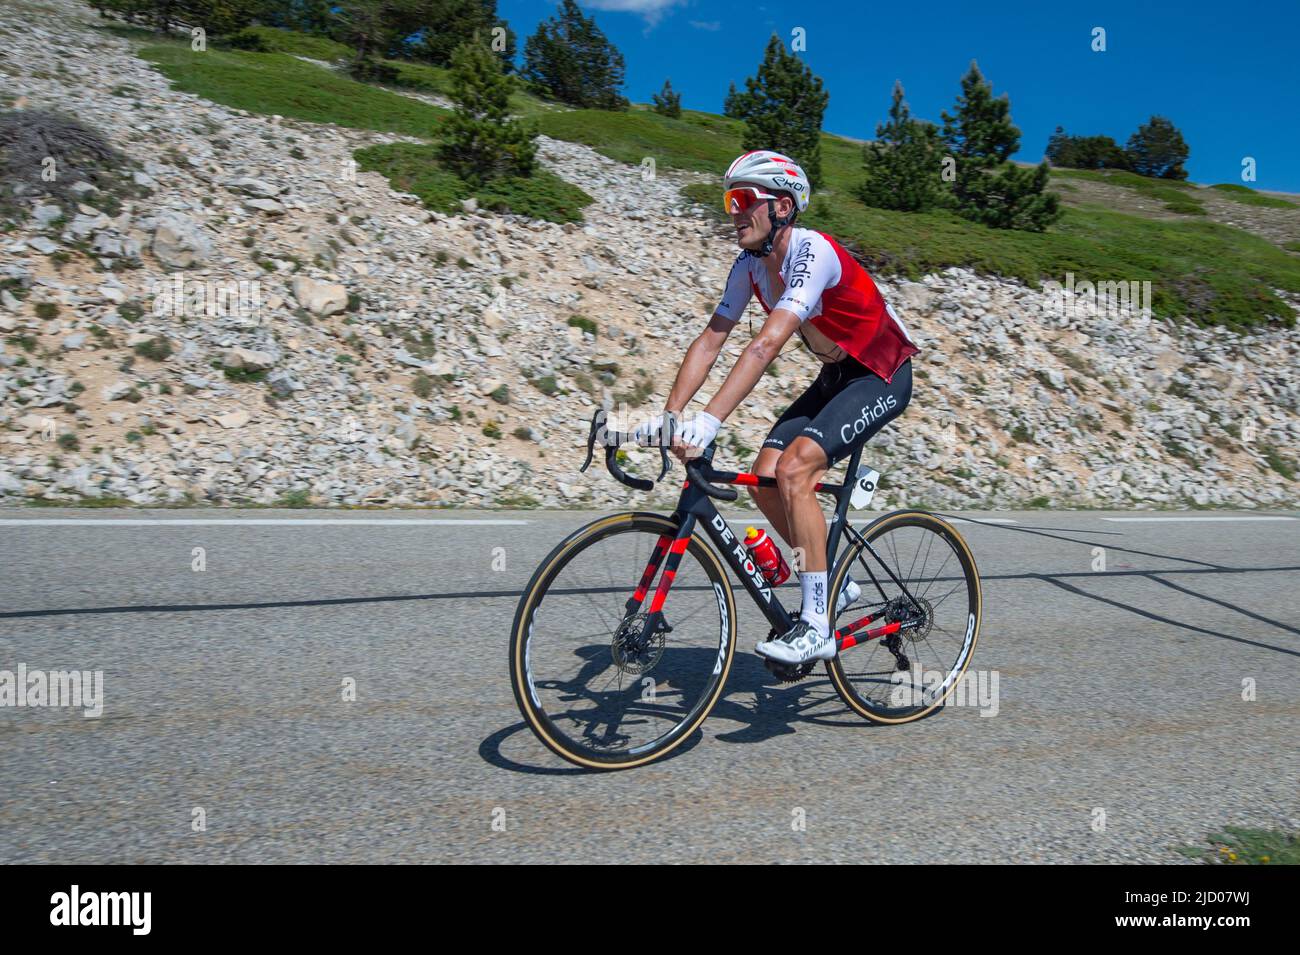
(698, 469)
(611, 453)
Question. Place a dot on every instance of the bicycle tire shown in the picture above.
(835, 668)
(521, 670)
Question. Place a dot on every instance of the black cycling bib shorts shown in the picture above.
(843, 408)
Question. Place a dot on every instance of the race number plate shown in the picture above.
(864, 488)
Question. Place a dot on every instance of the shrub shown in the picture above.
(155, 349)
(586, 324)
(422, 385)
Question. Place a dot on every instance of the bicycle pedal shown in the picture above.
(789, 672)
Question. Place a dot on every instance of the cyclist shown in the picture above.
(806, 283)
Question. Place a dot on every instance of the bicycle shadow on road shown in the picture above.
(776, 709)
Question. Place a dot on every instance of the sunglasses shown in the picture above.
(740, 200)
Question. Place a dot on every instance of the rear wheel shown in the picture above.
(600, 681)
(934, 617)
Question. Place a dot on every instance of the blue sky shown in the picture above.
(1227, 74)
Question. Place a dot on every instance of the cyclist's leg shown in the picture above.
(787, 428)
(858, 408)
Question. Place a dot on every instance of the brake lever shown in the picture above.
(591, 437)
(670, 422)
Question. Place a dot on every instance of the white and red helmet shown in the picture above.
(773, 170)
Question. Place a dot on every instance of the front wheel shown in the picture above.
(916, 620)
(602, 682)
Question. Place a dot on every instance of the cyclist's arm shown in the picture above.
(704, 351)
(753, 361)
(697, 363)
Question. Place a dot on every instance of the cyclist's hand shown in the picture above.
(695, 436)
(647, 432)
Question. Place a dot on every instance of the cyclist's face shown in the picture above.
(753, 224)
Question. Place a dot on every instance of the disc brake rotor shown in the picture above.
(633, 650)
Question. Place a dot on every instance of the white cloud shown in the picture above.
(652, 10)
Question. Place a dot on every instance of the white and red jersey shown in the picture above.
(828, 289)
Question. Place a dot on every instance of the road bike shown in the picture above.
(608, 682)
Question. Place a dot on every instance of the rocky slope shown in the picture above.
(389, 355)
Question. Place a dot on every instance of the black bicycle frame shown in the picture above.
(695, 506)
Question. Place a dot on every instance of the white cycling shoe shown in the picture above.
(850, 593)
(799, 644)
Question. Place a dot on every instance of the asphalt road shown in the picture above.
(1120, 729)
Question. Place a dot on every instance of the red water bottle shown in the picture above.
(767, 556)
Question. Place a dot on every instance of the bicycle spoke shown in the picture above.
(935, 578)
(588, 658)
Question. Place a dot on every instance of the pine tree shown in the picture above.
(981, 139)
(903, 165)
(479, 141)
(667, 102)
(1158, 149)
(449, 22)
(571, 60)
(1084, 152)
(736, 105)
(783, 107)
(216, 17)
(1019, 199)
(375, 30)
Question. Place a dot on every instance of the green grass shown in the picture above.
(1241, 846)
(1250, 197)
(1177, 196)
(414, 168)
(1277, 462)
(421, 76)
(631, 136)
(277, 83)
(517, 499)
(106, 500)
(275, 40)
(298, 498)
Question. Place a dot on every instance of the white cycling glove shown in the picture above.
(647, 432)
(697, 433)
(700, 431)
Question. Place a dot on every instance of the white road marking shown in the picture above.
(1172, 520)
(242, 522)
(955, 520)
